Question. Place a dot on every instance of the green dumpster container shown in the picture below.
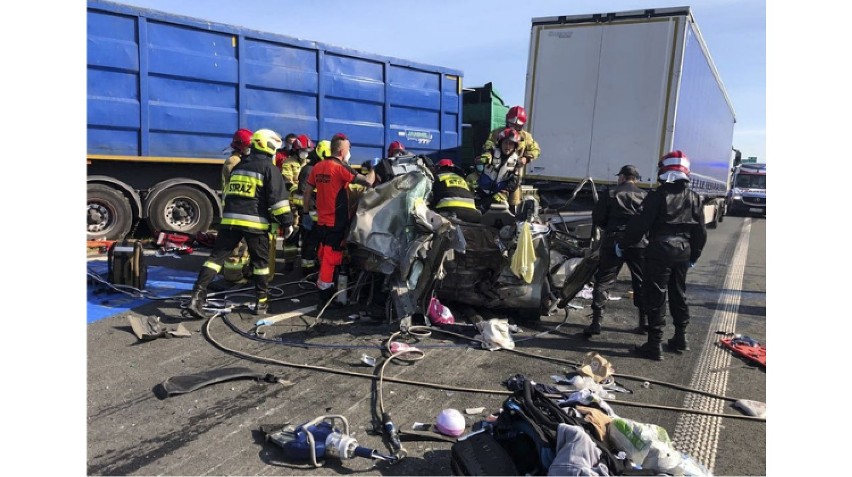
(483, 112)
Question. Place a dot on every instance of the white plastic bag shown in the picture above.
(495, 334)
(646, 444)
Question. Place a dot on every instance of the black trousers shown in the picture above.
(226, 240)
(608, 269)
(666, 264)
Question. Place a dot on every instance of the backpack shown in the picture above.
(527, 430)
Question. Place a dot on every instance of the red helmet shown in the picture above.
(509, 134)
(448, 163)
(674, 166)
(394, 148)
(242, 139)
(517, 115)
(302, 142)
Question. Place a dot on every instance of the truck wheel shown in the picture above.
(716, 219)
(180, 209)
(108, 214)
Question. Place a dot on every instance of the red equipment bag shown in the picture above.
(747, 348)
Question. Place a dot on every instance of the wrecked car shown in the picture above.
(422, 254)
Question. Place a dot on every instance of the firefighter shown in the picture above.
(451, 195)
(331, 178)
(673, 217)
(301, 151)
(527, 150)
(499, 178)
(285, 151)
(309, 240)
(611, 214)
(236, 263)
(240, 147)
(255, 195)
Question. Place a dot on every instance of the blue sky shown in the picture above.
(489, 40)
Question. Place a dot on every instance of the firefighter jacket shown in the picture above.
(450, 191)
(256, 195)
(615, 209)
(297, 197)
(228, 166)
(499, 174)
(527, 147)
(290, 171)
(671, 211)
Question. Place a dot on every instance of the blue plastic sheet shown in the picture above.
(162, 282)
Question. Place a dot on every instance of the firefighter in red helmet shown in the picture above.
(396, 149)
(527, 149)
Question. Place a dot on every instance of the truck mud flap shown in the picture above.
(190, 382)
(582, 275)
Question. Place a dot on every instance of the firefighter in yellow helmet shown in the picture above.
(255, 197)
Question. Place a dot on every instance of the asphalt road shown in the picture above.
(215, 430)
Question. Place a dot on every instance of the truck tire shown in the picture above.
(108, 214)
(180, 209)
(716, 218)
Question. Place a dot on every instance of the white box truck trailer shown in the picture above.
(610, 89)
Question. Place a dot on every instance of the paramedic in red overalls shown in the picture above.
(331, 179)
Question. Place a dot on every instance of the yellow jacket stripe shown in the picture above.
(456, 202)
(242, 220)
(281, 207)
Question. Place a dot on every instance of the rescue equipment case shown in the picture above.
(126, 264)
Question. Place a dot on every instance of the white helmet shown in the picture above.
(450, 422)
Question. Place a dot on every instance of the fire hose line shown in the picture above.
(500, 392)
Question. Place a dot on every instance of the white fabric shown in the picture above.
(672, 176)
(576, 453)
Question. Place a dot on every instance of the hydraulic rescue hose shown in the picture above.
(209, 336)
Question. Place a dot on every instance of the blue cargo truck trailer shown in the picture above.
(609, 89)
(165, 93)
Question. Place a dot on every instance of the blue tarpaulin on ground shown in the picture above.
(162, 282)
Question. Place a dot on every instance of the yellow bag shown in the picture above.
(523, 260)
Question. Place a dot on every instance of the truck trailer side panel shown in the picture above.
(621, 88)
(166, 93)
(704, 125)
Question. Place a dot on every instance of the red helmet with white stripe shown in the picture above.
(674, 166)
(517, 115)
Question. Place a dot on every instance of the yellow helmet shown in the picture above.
(266, 140)
(323, 149)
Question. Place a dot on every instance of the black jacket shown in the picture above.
(615, 209)
(671, 210)
(255, 195)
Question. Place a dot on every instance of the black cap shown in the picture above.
(629, 170)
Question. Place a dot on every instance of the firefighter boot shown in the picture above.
(324, 296)
(196, 304)
(643, 324)
(678, 342)
(261, 306)
(595, 327)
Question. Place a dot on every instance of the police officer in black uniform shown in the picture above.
(611, 214)
(673, 217)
